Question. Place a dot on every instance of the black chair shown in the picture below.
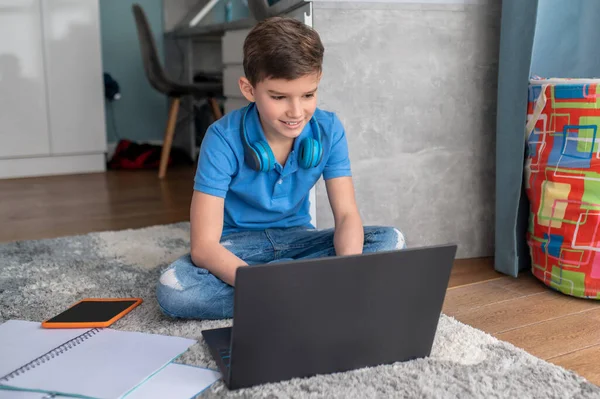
(174, 90)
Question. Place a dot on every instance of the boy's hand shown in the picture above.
(348, 238)
(206, 225)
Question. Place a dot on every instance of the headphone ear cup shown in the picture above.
(265, 155)
(310, 153)
(252, 158)
(318, 152)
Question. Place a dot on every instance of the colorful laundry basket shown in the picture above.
(562, 173)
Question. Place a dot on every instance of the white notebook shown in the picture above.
(6, 394)
(176, 381)
(95, 363)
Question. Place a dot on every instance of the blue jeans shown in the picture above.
(187, 291)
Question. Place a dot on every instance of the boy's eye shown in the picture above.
(311, 95)
(277, 97)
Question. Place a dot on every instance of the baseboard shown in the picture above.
(52, 165)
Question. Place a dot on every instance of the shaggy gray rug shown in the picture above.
(40, 278)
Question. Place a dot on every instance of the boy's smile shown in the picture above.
(284, 106)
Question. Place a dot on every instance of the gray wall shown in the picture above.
(415, 87)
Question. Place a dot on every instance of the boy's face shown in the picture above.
(285, 106)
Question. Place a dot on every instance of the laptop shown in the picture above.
(307, 317)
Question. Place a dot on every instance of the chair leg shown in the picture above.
(168, 141)
(214, 107)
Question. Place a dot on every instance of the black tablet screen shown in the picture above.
(91, 311)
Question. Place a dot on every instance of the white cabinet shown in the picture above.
(51, 88)
(74, 65)
(23, 113)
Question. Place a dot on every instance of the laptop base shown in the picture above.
(219, 344)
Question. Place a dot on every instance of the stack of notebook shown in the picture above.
(94, 363)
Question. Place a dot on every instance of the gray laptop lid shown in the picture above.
(302, 318)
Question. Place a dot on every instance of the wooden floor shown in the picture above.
(552, 326)
(55, 206)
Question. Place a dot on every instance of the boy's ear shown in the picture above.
(246, 89)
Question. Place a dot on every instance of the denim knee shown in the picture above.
(383, 238)
(187, 291)
(169, 290)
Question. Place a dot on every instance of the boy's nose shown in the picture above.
(295, 111)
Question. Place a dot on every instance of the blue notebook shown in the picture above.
(85, 363)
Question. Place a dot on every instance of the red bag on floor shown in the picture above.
(130, 155)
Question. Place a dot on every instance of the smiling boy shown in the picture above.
(256, 168)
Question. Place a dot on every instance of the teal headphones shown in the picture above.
(258, 155)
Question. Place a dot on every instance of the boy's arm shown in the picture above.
(206, 216)
(348, 237)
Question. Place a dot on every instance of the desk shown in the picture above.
(200, 49)
(210, 30)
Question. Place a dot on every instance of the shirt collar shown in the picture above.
(253, 127)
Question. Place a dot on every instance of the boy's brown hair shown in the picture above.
(281, 48)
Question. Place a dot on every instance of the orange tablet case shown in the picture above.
(94, 324)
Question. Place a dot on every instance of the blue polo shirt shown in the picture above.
(260, 200)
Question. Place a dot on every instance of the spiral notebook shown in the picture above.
(89, 363)
(175, 381)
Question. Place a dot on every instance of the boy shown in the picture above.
(255, 170)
